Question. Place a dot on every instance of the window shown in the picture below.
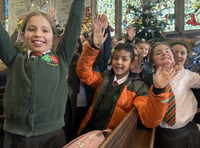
(177, 17)
(107, 7)
(192, 14)
(41, 5)
(154, 11)
(6, 15)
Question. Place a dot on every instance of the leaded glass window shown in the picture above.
(41, 5)
(192, 14)
(155, 12)
(107, 7)
(6, 15)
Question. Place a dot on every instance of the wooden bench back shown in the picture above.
(127, 134)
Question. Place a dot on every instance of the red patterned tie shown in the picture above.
(170, 116)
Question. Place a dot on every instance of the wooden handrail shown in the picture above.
(151, 145)
(128, 135)
(119, 136)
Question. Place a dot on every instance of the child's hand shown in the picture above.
(136, 65)
(105, 21)
(52, 12)
(130, 32)
(99, 35)
(100, 19)
(163, 75)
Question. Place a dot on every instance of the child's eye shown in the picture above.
(182, 53)
(31, 29)
(157, 53)
(115, 58)
(125, 59)
(45, 30)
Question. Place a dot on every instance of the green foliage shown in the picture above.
(147, 26)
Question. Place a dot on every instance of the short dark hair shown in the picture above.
(127, 47)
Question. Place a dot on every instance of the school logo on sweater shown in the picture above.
(50, 58)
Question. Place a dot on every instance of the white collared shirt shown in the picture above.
(29, 52)
(186, 103)
(122, 80)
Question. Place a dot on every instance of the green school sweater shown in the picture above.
(36, 92)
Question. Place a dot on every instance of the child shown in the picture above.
(36, 91)
(142, 68)
(136, 66)
(114, 42)
(79, 98)
(181, 51)
(112, 102)
(183, 133)
(143, 49)
(131, 32)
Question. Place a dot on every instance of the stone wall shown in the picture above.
(2, 10)
(16, 9)
(19, 7)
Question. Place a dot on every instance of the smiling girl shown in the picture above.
(36, 92)
(183, 133)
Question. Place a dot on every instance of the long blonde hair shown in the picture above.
(22, 46)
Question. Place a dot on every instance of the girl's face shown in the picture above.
(143, 49)
(121, 61)
(162, 55)
(180, 54)
(38, 34)
(114, 42)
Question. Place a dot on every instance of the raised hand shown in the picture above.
(164, 75)
(52, 12)
(130, 32)
(100, 19)
(99, 28)
(136, 65)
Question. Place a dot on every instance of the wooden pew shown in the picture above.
(128, 135)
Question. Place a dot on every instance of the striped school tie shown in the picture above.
(115, 83)
(170, 116)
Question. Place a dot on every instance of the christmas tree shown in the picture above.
(148, 27)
